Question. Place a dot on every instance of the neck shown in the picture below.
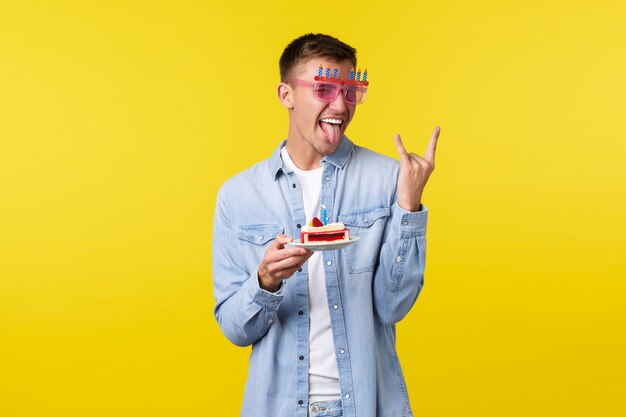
(305, 157)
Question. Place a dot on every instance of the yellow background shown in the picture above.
(120, 119)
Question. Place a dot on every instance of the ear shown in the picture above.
(285, 95)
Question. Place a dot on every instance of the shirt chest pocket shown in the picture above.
(254, 239)
(369, 225)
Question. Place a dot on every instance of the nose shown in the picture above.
(339, 103)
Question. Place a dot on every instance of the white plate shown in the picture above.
(321, 246)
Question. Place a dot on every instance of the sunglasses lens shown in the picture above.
(354, 94)
(326, 91)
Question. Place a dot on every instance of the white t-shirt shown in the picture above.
(323, 372)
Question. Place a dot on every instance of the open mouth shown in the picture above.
(331, 128)
(332, 121)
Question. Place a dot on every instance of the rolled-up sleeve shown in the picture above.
(243, 309)
(399, 277)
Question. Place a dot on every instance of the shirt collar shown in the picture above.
(339, 158)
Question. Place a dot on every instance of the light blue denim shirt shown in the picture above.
(371, 285)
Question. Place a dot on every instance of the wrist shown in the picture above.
(267, 284)
(411, 202)
(413, 208)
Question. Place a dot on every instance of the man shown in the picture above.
(321, 324)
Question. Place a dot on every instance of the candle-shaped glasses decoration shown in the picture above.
(354, 78)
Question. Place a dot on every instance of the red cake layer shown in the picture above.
(306, 237)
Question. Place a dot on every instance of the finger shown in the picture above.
(287, 264)
(401, 149)
(415, 159)
(286, 273)
(429, 155)
(418, 162)
(277, 255)
(281, 240)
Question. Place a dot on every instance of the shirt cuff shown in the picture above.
(261, 297)
(411, 223)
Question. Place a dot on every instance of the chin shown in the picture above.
(327, 148)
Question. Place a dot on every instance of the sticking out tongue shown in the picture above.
(331, 131)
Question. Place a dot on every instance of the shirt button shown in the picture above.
(398, 258)
(300, 402)
(335, 306)
(301, 357)
(299, 269)
(300, 312)
(342, 351)
(293, 185)
(365, 220)
(327, 178)
(270, 321)
(298, 225)
(329, 263)
(347, 395)
(260, 238)
(405, 223)
(275, 301)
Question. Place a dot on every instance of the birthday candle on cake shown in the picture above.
(324, 217)
(320, 71)
(358, 75)
(335, 73)
(365, 75)
(327, 72)
(352, 74)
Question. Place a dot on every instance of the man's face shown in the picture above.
(316, 123)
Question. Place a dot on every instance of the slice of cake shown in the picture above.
(318, 232)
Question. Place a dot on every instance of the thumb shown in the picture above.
(281, 240)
